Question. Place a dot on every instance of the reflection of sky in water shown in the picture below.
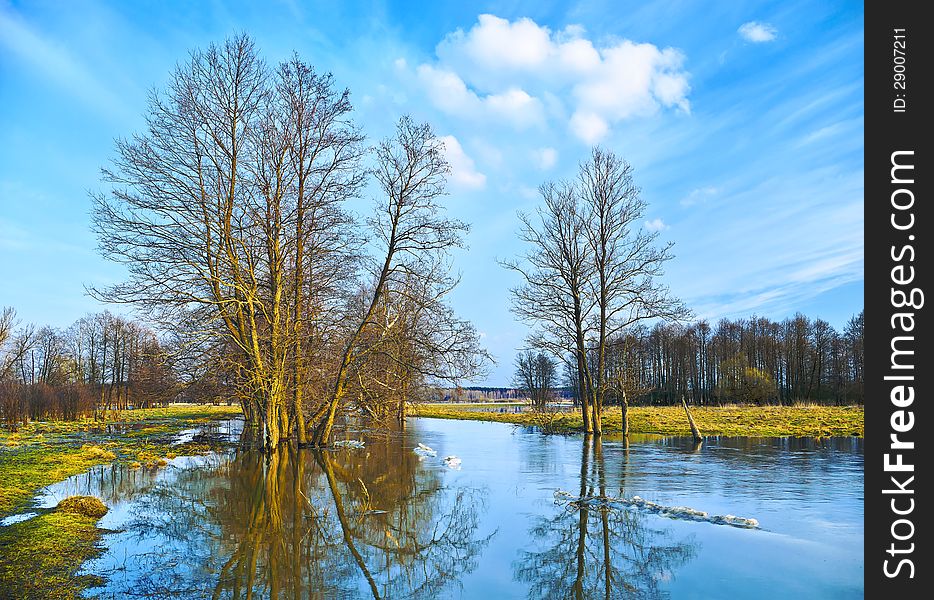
(188, 527)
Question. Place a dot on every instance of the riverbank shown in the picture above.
(54, 544)
(749, 421)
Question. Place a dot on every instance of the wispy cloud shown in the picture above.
(698, 196)
(56, 64)
(655, 225)
(757, 32)
(545, 158)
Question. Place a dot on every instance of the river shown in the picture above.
(505, 521)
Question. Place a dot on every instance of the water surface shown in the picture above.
(382, 521)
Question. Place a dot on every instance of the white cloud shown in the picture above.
(463, 171)
(448, 92)
(757, 32)
(588, 126)
(516, 107)
(545, 158)
(523, 73)
(698, 196)
(655, 225)
(400, 63)
(497, 43)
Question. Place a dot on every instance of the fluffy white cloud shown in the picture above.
(545, 158)
(513, 70)
(448, 92)
(463, 171)
(496, 43)
(515, 106)
(589, 126)
(757, 32)
(655, 225)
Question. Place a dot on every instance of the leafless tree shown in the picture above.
(411, 233)
(554, 294)
(591, 272)
(535, 376)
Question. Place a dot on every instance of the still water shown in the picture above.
(383, 521)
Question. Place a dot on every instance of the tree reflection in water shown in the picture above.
(301, 524)
(599, 552)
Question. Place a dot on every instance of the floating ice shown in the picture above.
(452, 462)
(672, 512)
(348, 444)
(423, 451)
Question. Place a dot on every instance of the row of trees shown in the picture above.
(754, 361)
(100, 362)
(230, 214)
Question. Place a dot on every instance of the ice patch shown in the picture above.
(672, 512)
(17, 518)
(422, 450)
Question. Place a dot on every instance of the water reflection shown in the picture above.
(587, 552)
(378, 522)
(298, 524)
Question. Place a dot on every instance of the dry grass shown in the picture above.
(87, 506)
(749, 421)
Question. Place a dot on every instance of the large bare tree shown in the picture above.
(627, 261)
(215, 207)
(228, 213)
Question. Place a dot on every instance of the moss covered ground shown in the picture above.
(39, 557)
(42, 453)
(750, 421)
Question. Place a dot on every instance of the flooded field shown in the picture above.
(486, 510)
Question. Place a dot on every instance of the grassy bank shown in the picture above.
(751, 421)
(39, 557)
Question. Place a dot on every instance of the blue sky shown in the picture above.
(743, 122)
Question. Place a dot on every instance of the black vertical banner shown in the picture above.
(899, 370)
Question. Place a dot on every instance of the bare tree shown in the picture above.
(627, 261)
(229, 214)
(592, 271)
(554, 294)
(535, 375)
(218, 212)
(411, 232)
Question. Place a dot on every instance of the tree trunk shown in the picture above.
(624, 409)
(694, 431)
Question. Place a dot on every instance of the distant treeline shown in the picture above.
(754, 360)
(100, 362)
(486, 393)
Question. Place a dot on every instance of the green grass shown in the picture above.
(42, 453)
(39, 557)
(749, 421)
